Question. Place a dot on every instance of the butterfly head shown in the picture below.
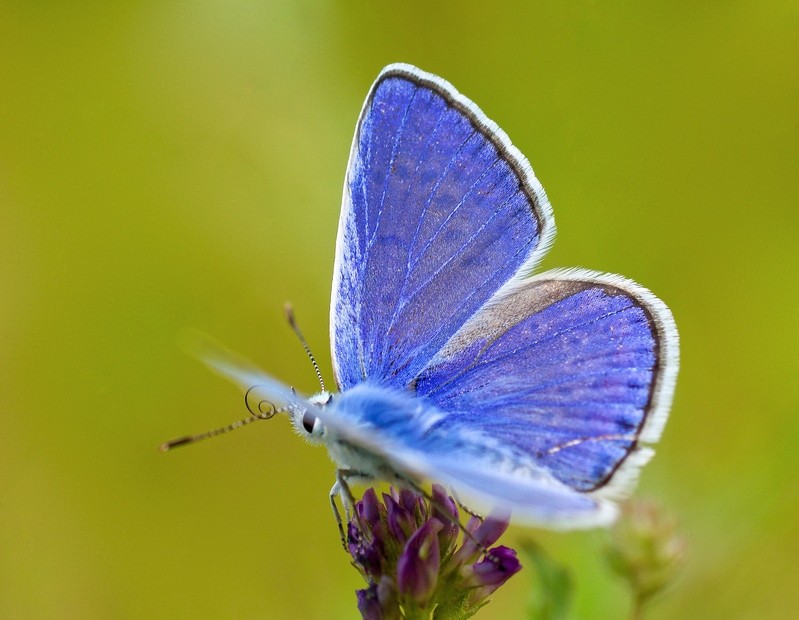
(305, 418)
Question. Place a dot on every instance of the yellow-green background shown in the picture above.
(166, 165)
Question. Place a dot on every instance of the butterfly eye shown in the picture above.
(308, 421)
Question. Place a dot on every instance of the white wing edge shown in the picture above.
(541, 205)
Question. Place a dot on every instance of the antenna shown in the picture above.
(264, 411)
(293, 323)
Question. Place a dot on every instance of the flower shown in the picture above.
(419, 563)
(498, 565)
(406, 548)
(646, 549)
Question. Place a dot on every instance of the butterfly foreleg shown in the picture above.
(341, 488)
(465, 508)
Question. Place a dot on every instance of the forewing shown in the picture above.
(439, 211)
(573, 368)
(236, 369)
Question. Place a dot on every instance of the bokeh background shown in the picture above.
(169, 165)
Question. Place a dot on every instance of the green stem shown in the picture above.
(637, 611)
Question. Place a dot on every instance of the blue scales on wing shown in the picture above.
(571, 368)
(439, 211)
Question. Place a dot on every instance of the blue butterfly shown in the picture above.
(533, 394)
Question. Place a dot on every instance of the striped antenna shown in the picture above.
(290, 318)
(263, 411)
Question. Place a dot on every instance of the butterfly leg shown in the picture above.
(465, 509)
(341, 488)
(334, 491)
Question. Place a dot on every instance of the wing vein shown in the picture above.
(466, 299)
(480, 354)
(460, 250)
(449, 217)
(536, 388)
(428, 202)
(400, 306)
(394, 151)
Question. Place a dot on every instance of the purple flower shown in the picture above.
(399, 519)
(368, 604)
(369, 508)
(406, 548)
(497, 566)
(417, 567)
(483, 533)
(378, 601)
(446, 511)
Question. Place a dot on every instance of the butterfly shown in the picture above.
(536, 394)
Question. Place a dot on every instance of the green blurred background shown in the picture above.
(166, 165)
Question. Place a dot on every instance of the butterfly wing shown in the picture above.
(572, 367)
(439, 211)
(387, 433)
(442, 219)
(534, 500)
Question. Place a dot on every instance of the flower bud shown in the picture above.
(646, 548)
(417, 567)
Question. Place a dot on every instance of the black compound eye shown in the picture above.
(308, 421)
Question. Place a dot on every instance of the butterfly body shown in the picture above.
(392, 419)
(368, 414)
(536, 394)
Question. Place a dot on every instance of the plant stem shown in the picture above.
(637, 611)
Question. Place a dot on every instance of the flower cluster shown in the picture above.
(406, 548)
(646, 549)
